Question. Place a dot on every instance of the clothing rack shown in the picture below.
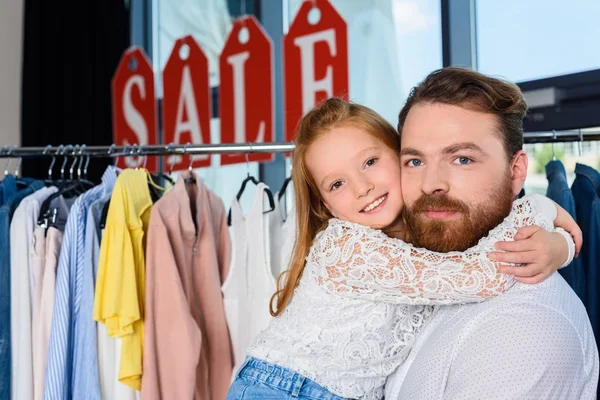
(237, 148)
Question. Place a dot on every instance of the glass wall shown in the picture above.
(534, 39)
(526, 40)
(393, 45)
(210, 22)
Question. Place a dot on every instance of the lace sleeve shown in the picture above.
(355, 261)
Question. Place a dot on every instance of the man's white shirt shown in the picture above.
(533, 342)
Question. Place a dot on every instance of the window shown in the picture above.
(533, 39)
(545, 47)
(393, 45)
(209, 22)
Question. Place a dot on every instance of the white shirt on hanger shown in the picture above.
(22, 286)
(282, 232)
(250, 284)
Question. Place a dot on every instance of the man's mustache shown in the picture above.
(438, 202)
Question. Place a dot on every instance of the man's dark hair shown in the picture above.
(477, 92)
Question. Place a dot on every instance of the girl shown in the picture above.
(353, 298)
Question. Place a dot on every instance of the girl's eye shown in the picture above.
(335, 185)
(463, 161)
(414, 163)
(370, 162)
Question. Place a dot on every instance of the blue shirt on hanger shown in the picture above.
(69, 298)
(11, 197)
(560, 192)
(586, 190)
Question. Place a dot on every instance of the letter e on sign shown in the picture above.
(315, 54)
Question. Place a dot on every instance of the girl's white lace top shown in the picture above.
(363, 297)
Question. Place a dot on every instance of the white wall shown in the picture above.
(11, 38)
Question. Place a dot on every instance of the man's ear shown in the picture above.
(518, 169)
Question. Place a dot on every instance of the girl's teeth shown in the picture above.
(374, 204)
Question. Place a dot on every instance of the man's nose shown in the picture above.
(434, 181)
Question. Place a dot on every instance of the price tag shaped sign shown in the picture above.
(315, 61)
(246, 96)
(186, 102)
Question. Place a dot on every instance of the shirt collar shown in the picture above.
(108, 179)
(591, 174)
(555, 167)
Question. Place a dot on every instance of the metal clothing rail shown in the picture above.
(238, 148)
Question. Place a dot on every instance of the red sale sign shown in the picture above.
(186, 102)
(246, 89)
(134, 106)
(315, 54)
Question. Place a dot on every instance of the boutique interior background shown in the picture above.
(11, 37)
(393, 44)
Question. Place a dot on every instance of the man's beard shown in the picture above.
(461, 234)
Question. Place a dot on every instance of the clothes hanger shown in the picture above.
(47, 216)
(155, 190)
(82, 179)
(580, 145)
(191, 179)
(21, 184)
(250, 178)
(553, 141)
(49, 181)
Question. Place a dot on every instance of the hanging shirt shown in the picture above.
(187, 353)
(86, 382)
(250, 283)
(586, 192)
(21, 234)
(68, 296)
(108, 348)
(12, 198)
(282, 232)
(559, 191)
(120, 285)
(41, 324)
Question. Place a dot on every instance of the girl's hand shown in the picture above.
(541, 252)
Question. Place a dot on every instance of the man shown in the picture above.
(462, 166)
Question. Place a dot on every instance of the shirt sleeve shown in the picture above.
(359, 262)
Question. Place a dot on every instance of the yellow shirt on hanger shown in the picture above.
(119, 296)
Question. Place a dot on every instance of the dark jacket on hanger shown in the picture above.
(559, 191)
(586, 190)
(8, 204)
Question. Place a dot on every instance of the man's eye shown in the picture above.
(463, 161)
(414, 163)
(335, 185)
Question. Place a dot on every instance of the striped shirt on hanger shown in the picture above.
(68, 301)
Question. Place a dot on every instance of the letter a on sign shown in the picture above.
(134, 106)
(315, 60)
(186, 102)
(246, 89)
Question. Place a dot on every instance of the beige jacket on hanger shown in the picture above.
(187, 351)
